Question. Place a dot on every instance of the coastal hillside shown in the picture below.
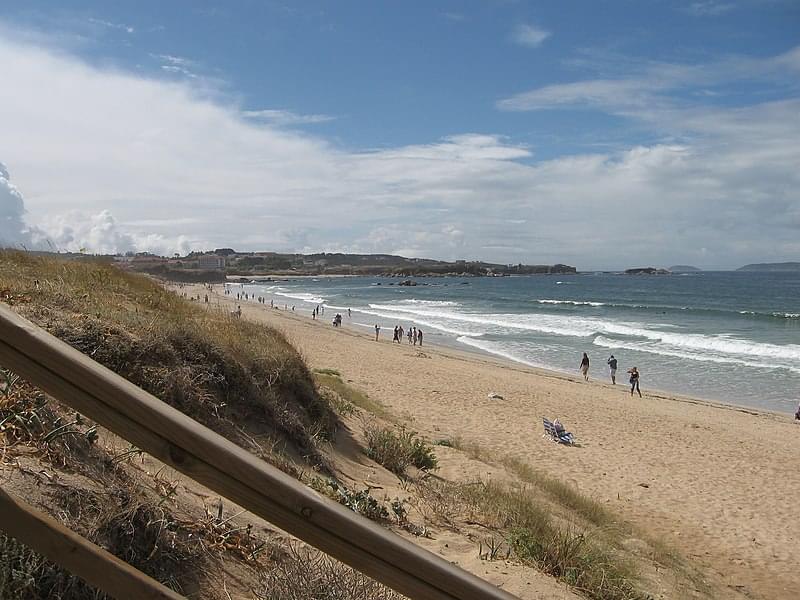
(788, 267)
(212, 266)
(520, 528)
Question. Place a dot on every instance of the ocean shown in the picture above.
(727, 336)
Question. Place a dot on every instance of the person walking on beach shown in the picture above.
(410, 334)
(612, 365)
(377, 331)
(414, 337)
(635, 380)
(348, 313)
(419, 336)
(585, 366)
(394, 336)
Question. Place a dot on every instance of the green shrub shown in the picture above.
(397, 449)
(360, 502)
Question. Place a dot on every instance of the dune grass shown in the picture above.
(398, 448)
(574, 554)
(332, 379)
(242, 379)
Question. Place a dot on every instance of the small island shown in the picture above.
(646, 271)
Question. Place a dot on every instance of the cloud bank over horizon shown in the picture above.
(111, 161)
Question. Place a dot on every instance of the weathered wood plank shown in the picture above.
(210, 459)
(91, 563)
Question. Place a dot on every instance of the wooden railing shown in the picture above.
(217, 463)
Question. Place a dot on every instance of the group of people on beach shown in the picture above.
(612, 367)
(414, 335)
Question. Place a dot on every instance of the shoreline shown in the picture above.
(470, 351)
(714, 480)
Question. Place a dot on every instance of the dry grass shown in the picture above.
(332, 380)
(305, 574)
(241, 379)
(562, 494)
(574, 554)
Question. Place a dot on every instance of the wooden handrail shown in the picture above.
(89, 562)
(217, 463)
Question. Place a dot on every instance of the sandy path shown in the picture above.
(722, 483)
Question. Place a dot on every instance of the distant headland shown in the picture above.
(782, 267)
(684, 269)
(223, 262)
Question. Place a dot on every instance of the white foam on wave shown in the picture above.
(498, 322)
(663, 350)
(573, 302)
(720, 344)
(414, 301)
(420, 320)
(304, 297)
(497, 349)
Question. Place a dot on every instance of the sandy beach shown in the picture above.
(719, 483)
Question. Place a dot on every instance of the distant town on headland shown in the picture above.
(223, 262)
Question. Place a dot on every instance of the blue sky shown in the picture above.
(581, 132)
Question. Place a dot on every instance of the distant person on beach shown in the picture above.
(585, 366)
(612, 365)
(634, 372)
(348, 313)
(414, 337)
(419, 336)
(377, 331)
(797, 414)
(394, 336)
(410, 334)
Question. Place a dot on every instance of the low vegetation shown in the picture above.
(533, 534)
(241, 379)
(345, 394)
(398, 448)
(305, 574)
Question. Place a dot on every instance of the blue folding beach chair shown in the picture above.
(562, 437)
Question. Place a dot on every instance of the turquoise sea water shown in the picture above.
(729, 336)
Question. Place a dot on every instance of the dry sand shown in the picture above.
(719, 483)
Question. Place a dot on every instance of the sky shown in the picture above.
(600, 134)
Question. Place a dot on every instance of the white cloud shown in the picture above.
(109, 160)
(709, 8)
(529, 35)
(99, 233)
(658, 85)
(594, 92)
(285, 117)
(112, 25)
(14, 232)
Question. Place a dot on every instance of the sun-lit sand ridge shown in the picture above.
(719, 483)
